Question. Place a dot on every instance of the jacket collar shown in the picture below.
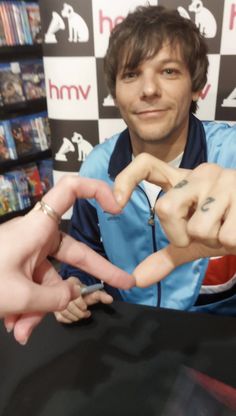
(195, 151)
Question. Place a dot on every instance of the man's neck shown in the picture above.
(165, 149)
(165, 152)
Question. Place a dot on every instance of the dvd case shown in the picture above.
(34, 21)
(8, 199)
(46, 174)
(20, 185)
(9, 139)
(4, 151)
(32, 75)
(34, 182)
(11, 88)
(22, 134)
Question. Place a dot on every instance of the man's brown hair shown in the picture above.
(142, 34)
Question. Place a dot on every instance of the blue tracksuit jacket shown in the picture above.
(128, 238)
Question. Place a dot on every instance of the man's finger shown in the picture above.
(70, 316)
(173, 210)
(147, 167)
(189, 204)
(216, 214)
(157, 266)
(99, 296)
(83, 257)
(60, 318)
(227, 234)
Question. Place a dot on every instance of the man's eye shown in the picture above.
(170, 71)
(129, 75)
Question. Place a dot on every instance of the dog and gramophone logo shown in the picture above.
(72, 141)
(107, 106)
(226, 99)
(206, 14)
(67, 27)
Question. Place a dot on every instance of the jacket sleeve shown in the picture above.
(84, 227)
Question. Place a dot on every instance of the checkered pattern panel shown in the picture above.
(81, 112)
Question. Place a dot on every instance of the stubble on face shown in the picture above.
(154, 101)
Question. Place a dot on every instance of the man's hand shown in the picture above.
(198, 212)
(77, 309)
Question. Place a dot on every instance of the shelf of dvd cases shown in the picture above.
(25, 154)
(23, 185)
(22, 51)
(9, 164)
(25, 163)
(24, 107)
(20, 23)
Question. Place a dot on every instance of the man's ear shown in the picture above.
(196, 95)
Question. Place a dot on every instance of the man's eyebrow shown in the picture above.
(124, 66)
(171, 61)
(166, 61)
(161, 61)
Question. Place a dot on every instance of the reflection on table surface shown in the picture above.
(127, 359)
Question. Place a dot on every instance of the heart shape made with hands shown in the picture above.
(184, 212)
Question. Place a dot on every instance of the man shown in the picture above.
(155, 67)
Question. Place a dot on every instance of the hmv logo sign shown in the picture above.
(107, 23)
(232, 19)
(68, 92)
(108, 14)
(71, 87)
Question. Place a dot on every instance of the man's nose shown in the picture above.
(150, 85)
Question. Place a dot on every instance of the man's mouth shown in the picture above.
(149, 113)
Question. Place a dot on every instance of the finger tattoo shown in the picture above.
(208, 201)
(181, 184)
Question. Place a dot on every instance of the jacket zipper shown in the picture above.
(151, 222)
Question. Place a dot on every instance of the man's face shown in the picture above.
(155, 98)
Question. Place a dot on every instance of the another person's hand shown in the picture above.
(29, 284)
(198, 213)
(77, 309)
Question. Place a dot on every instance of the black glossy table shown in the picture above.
(126, 360)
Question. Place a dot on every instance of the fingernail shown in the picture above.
(135, 280)
(118, 197)
(23, 341)
(9, 328)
